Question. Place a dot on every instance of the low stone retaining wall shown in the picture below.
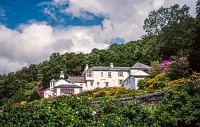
(153, 98)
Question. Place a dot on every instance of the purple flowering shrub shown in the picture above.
(179, 69)
(165, 65)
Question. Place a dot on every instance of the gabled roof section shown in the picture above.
(53, 80)
(140, 73)
(139, 65)
(76, 79)
(102, 68)
(63, 79)
(68, 86)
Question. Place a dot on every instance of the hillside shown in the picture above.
(167, 38)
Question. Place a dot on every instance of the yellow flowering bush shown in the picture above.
(193, 77)
(113, 91)
(158, 81)
(178, 81)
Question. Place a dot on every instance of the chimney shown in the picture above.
(86, 67)
(111, 65)
(62, 74)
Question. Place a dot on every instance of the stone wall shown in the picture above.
(153, 98)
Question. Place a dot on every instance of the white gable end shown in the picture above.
(140, 73)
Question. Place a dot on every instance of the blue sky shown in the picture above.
(23, 11)
(31, 30)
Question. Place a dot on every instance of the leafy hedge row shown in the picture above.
(180, 107)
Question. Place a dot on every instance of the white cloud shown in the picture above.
(33, 42)
(158, 3)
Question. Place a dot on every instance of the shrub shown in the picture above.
(155, 69)
(180, 107)
(165, 65)
(157, 82)
(142, 84)
(179, 69)
(18, 97)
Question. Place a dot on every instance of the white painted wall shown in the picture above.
(132, 71)
(77, 90)
(97, 77)
(132, 82)
(81, 84)
(47, 93)
(129, 82)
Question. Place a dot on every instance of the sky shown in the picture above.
(31, 30)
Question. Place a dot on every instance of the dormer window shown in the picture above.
(89, 74)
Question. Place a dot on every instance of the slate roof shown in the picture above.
(101, 68)
(139, 65)
(67, 86)
(76, 79)
(63, 79)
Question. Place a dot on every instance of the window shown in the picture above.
(89, 74)
(97, 84)
(120, 74)
(120, 82)
(101, 74)
(106, 84)
(91, 84)
(67, 91)
(109, 75)
(81, 85)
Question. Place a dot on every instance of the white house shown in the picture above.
(111, 76)
(98, 76)
(61, 87)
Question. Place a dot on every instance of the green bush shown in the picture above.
(180, 107)
(155, 69)
(142, 84)
(18, 97)
(179, 69)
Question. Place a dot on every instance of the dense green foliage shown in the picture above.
(180, 107)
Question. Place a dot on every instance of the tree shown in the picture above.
(163, 17)
(198, 8)
(176, 39)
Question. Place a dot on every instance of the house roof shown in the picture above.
(53, 80)
(67, 86)
(139, 73)
(76, 79)
(62, 79)
(101, 68)
(139, 65)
